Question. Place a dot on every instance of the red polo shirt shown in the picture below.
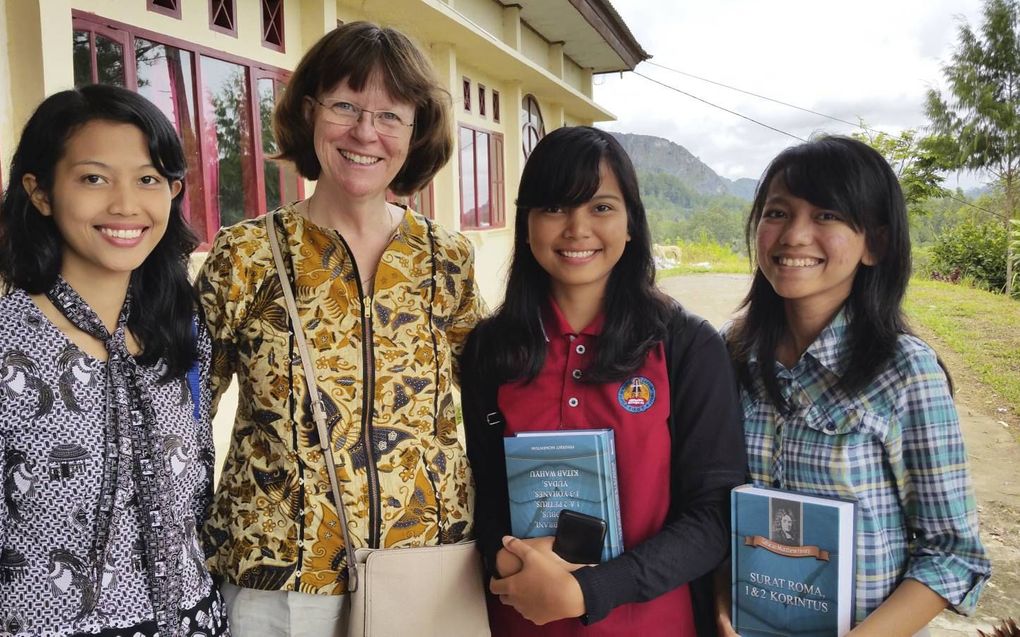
(636, 409)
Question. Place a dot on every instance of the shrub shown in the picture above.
(921, 265)
(972, 250)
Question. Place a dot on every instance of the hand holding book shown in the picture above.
(543, 590)
(508, 563)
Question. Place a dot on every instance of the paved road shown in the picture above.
(991, 449)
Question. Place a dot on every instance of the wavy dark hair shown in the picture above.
(845, 175)
(563, 170)
(355, 52)
(31, 247)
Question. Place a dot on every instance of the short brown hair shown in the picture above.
(353, 52)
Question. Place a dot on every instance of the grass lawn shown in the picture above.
(981, 327)
(705, 267)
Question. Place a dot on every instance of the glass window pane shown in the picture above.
(484, 192)
(110, 61)
(82, 58)
(467, 178)
(166, 78)
(227, 137)
(271, 169)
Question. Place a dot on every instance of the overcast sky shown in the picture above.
(866, 59)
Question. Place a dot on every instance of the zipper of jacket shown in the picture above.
(367, 402)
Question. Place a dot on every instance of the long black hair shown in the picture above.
(31, 246)
(845, 175)
(563, 170)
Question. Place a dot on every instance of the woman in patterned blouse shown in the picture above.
(107, 451)
(840, 399)
(386, 298)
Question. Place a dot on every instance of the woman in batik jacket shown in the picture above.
(106, 448)
(386, 298)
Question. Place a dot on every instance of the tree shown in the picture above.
(915, 166)
(1014, 252)
(976, 126)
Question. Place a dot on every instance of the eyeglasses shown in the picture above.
(346, 114)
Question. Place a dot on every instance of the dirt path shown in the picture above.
(992, 450)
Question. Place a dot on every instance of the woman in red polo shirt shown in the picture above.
(582, 324)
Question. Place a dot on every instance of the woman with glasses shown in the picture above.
(385, 298)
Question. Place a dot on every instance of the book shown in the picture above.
(793, 563)
(548, 471)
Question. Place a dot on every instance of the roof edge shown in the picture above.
(601, 15)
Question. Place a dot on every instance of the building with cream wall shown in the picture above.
(513, 69)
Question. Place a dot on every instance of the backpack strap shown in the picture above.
(195, 375)
(679, 336)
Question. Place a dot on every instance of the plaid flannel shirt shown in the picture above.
(894, 447)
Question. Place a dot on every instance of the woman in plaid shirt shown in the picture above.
(840, 399)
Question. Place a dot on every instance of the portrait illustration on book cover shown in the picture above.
(786, 522)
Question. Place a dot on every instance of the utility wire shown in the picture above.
(765, 97)
(949, 195)
(722, 108)
(976, 207)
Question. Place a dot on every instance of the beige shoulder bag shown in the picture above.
(428, 591)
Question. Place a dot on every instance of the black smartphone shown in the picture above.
(579, 537)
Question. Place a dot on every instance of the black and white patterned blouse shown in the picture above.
(53, 410)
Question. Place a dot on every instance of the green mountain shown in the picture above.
(685, 199)
(655, 154)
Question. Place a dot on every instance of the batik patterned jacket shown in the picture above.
(385, 368)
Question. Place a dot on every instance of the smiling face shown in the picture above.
(109, 203)
(357, 162)
(810, 255)
(579, 246)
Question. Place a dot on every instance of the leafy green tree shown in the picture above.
(914, 165)
(1014, 245)
(976, 125)
(938, 217)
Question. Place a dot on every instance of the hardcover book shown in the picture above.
(548, 471)
(793, 564)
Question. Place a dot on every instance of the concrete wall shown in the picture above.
(486, 14)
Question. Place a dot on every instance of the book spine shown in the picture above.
(734, 542)
(614, 522)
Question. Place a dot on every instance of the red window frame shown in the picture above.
(170, 8)
(223, 16)
(471, 217)
(495, 106)
(481, 100)
(272, 25)
(207, 221)
(115, 35)
(467, 94)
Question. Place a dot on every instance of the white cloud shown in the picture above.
(869, 59)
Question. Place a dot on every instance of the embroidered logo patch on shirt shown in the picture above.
(636, 395)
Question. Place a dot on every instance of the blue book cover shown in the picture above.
(567, 469)
(793, 564)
